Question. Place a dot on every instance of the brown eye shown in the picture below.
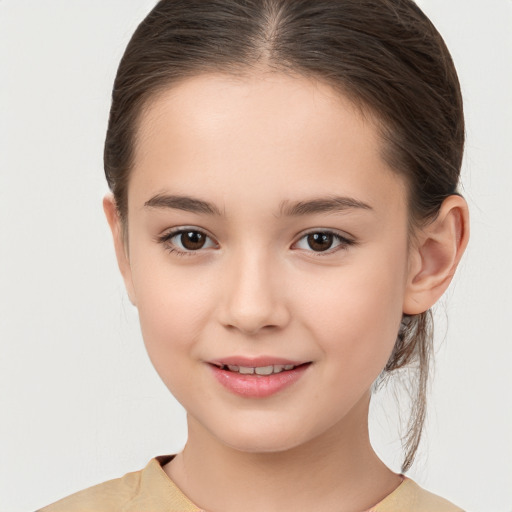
(320, 241)
(186, 241)
(327, 242)
(192, 240)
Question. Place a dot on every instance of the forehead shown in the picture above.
(268, 105)
(224, 133)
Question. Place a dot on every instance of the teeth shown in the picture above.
(264, 370)
(259, 370)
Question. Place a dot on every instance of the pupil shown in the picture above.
(193, 240)
(320, 241)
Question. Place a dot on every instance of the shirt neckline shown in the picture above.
(158, 462)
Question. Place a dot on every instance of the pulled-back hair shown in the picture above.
(384, 55)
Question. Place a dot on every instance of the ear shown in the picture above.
(121, 248)
(435, 255)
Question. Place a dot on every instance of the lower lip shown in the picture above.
(258, 386)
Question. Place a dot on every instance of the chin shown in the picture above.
(262, 438)
(274, 445)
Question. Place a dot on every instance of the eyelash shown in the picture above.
(165, 240)
(344, 243)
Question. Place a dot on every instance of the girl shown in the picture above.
(285, 213)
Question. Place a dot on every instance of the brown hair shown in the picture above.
(385, 55)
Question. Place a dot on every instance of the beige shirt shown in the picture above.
(151, 490)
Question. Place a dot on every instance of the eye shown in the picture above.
(323, 241)
(186, 240)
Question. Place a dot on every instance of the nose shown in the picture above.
(253, 295)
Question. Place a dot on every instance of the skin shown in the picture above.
(253, 147)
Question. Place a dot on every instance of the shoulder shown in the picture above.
(148, 489)
(410, 497)
(102, 497)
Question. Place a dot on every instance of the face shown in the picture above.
(265, 231)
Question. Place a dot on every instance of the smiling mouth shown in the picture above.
(259, 370)
(257, 378)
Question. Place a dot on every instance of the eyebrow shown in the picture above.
(188, 204)
(331, 204)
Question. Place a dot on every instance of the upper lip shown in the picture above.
(254, 362)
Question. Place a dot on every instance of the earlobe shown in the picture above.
(118, 235)
(436, 255)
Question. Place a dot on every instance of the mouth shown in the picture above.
(271, 369)
(257, 378)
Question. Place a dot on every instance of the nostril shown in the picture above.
(253, 306)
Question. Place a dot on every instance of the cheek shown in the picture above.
(174, 304)
(356, 312)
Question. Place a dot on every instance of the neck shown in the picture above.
(337, 472)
